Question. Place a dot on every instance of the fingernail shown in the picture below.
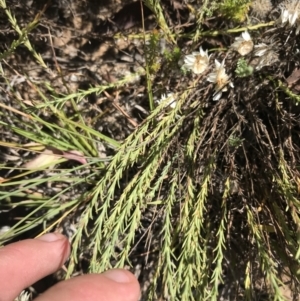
(120, 276)
(51, 237)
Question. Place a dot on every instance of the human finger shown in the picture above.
(25, 262)
(113, 285)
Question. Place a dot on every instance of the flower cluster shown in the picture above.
(198, 62)
(265, 53)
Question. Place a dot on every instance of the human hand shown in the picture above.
(25, 262)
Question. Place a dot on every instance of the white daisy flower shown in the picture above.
(243, 44)
(197, 61)
(171, 101)
(220, 78)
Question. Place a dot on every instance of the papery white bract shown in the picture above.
(284, 16)
(266, 55)
(260, 49)
(298, 27)
(197, 62)
(171, 99)
(24, 296)
(290, 12)
(292, 18)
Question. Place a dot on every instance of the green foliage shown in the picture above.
(234, 141)
(157, 9)
(243, 69)
(23, 36)
(234, 9)
(173, 55)
(152, 47)
(208, 9)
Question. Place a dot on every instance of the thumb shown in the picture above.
(113, 285)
